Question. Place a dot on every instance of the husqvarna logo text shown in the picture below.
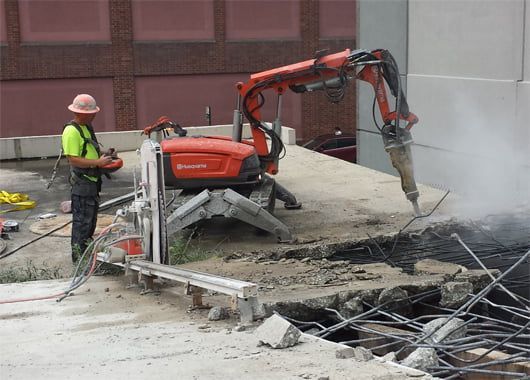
(191, 166)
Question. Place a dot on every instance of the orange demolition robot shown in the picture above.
(223, 176)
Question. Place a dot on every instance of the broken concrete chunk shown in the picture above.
(478, 277)
(421, 359)
(345, 353)
(363, 354)
(334, 264)
(321, 279)
(455, 294)
(321, 303)
(390, 357)
(454, 329)
(430, 266)
(217, 313)
(396, 299)
(351, 308)
(367, 276)
(346, 295)
(391, 294)
(278, 333)
(357, 269)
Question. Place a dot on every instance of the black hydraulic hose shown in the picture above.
(277, 146)
(104, 207)
(276, 143)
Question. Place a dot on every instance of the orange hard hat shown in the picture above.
(84, 103)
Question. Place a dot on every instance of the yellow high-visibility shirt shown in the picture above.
(73, 145)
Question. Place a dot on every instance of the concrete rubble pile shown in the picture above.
(475, 325)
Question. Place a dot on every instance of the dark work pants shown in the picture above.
(84, 218)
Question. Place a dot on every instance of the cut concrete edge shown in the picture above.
(49, 146)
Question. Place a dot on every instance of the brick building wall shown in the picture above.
(119, 61)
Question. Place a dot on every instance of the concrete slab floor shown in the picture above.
(119, 333)
(107, 331)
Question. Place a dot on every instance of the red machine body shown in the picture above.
(201, 162)
(132, 247)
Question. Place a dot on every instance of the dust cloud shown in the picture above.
(483, 160)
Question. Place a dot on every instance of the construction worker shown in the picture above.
(81, 148)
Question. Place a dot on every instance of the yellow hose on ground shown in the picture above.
(20, 201)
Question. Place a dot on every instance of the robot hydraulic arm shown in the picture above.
(323, 68)
(331, 73)
(376, 66)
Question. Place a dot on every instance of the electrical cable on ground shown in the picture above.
(104, 206)
(4, 255)
(80, 277)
